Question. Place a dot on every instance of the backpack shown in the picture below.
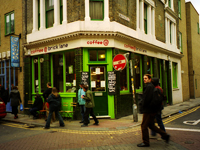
(158, 97)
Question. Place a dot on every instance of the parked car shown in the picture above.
(2, 109)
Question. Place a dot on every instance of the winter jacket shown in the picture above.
(15, 98)
(46, 93)
(38, 103)
(80, 100)
(54, 102)
(147, 98)
(89, 99)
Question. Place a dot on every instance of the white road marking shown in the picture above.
(182, 129)
(192, 122)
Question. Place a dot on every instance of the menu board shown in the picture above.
(111, 83)
(85, 78)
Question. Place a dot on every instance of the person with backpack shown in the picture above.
(155, 82)
(149, 113)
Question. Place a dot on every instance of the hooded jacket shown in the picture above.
(54, 102)
(14, 97)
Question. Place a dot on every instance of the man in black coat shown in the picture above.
(37, 105)
(149, 114)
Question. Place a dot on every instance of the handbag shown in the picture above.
(21, 107)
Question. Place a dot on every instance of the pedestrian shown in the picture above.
(89, 105)
(81, 101)
(149, 114)
(54, 101)
(46, 94)
(37, 105)
(15, 99)
(155, 82)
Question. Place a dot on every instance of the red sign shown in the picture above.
(119, 62)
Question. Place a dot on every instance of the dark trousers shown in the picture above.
(89, 111)
(83, 112)
(148, 121)
(33, 111)
(160, 123)
(15, 110)
(57, 115)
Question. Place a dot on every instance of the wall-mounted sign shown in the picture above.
(85, 78)
(119, 62)
(98, 42)
(111, 83)
(14, 50)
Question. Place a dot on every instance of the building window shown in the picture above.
(145, 18)
(149, 66)
(175, 73)
(198, 28)
(42, 84)
(169, 3)
(36, 84)
(180, 42)
(179, 8)
(58, 71)
(97, 55)
(170, 29)
(10, 20)
(70, 71)
(38, 14)
(61, 11)
(96, 9)
(138, 73)
(49, 13)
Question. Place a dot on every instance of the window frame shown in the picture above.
(102, 10)
(175, 74)
(9, 14)
(46, 11)
(145, 20)
(97, 53)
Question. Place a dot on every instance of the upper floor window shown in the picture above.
(145, 18)
(179, 8)
(49, 13)
(169, 3)
(180, 42)
(9, 18)
(96, 9)
(170, 29)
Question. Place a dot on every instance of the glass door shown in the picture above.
(98, 85)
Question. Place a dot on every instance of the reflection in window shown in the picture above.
(137, 72)
(70, 71)
(36, 74)
(58, 71)
(97, 78)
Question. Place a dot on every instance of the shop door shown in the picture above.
(98, 86)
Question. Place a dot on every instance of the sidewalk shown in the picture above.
(104, 124)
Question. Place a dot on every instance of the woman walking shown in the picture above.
(54, 101)
(15, 99)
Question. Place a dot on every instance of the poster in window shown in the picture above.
(111, 83)
(71, 69)
(85, 78)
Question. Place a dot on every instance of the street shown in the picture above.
(17, 136)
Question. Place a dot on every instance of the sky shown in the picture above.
(196, 4)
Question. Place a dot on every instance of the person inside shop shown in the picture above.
(37, 105)
(15, 101)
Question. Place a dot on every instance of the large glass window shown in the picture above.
(36, 84)
(137, 71)
(149, 65)
(49, 13)
(42, 74)
(175, 72)
(9, 18)
(70, 71)
(97, 55)
(96, 9)
(58, 71)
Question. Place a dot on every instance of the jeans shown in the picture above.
(82, 107)
(58, 116)
(160, 123)
(33, 111)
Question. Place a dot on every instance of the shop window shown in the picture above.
(97, 55)
(145, 18)
(96, 9)
(175, 72)
(42, 74)
(36, 84)
(98, 78)
(58, 71)
(49, 13)
(9, 18)
(70, 71)
(149, 66)
(138, 73)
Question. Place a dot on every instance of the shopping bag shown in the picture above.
(21, 107)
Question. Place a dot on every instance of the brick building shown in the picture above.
(67, 39)
(11, 73)
(193, 44)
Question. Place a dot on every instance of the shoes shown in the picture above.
(143, 145)
(16, 117)
(167, 138)
(96, 124)
(84, 125)
(81, 122)
(46, 127)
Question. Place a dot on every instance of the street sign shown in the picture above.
(119, 62)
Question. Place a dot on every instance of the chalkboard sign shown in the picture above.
(111, 83)
(85, 78)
